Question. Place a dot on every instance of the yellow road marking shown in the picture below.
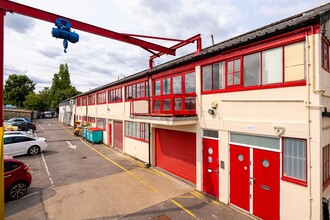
(134, 175)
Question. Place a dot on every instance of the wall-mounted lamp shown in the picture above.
(279, 130)
(210, 111)
(325, 113)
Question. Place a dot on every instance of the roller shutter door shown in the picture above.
(176, 153)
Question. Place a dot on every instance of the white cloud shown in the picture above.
(95, 60)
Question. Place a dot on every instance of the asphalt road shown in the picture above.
(74, 179)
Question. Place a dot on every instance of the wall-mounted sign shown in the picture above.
(250, 127)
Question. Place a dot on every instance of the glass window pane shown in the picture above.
(230, 66)
(190, 104)
(177, 85)
(251, 71)
(157, 88)
(237, 78)
(210, 133)
(216, 77)
(295, 158)
(207, 78)
(258, 141)
(230, 79)
(189, 82)
(178, 104)
(272, 66)
(166, 86)
(138, 90)
(157, 105)
(237, 65)
(166, 104)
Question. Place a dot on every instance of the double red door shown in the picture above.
(255, 181)
(211, 167)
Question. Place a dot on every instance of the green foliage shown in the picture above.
(17, 87)
(40, 101)
(61, 88)
(19, 90)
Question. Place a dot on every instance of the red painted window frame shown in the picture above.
(78, 101)
(171, 96)
(271, 43)
(326, 163)
(135, 94)
(104, 125)
(91, 119)
(290, 179)
(141, 127)
(326, 65)
(240, 71)
(91, 99)
(115, 91)
(101, 97)
(84, 101)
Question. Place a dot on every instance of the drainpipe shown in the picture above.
(310, 65)
(149, 147)
(149, 128)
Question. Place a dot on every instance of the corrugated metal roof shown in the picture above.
(297, 21)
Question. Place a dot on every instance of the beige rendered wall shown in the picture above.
(137, 149)
(256, 112)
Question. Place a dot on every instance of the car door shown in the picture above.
(22, 145)
(7, 146)
(10, 176)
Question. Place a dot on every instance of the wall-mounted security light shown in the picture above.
(210, 111)
(325, 113)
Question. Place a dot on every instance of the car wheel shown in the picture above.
(17, 190)
(34, 150)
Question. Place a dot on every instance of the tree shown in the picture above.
(17, 87)
(61, 88)
(38, 101)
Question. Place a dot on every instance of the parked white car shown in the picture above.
(16, 144)
(28, 133)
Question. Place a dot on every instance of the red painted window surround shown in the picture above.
(291, 179)
(91, 99)
(91, 119)
(325, 56)
(78, 101)
(326, 166)
(101, 97)
(280, 40)
(142, 127)
(84, 101)
(115, 95)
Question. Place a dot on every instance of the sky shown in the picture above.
(94, 61)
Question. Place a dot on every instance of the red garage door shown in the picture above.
(118, 135)
(176, 153)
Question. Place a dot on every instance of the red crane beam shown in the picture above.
(14, 7)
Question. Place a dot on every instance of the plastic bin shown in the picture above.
(85, 132)
(95, 135)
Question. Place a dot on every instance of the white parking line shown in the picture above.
(32, 194)
(50, 179)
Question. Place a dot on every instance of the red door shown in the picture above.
(266, 187)
(118, 135)
(211, 167)
(176, 153)
(240, 176)
(110, 134)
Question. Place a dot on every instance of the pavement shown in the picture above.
(135, 193)
(74, 179)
